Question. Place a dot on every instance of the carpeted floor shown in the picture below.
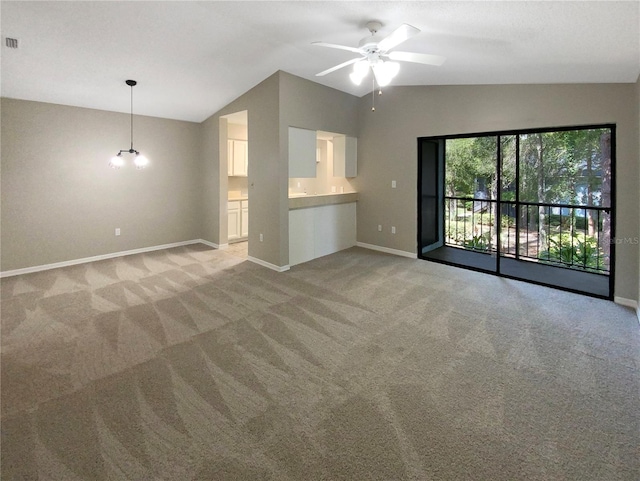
(193, 364)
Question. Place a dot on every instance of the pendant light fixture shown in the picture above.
(140, 161)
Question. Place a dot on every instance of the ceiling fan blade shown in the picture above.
(337, 67)
(424, 58)
(333, 45)
(399, 35)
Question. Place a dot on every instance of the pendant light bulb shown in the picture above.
(116, 161)
(140, 161)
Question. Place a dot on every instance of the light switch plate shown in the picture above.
(393, 184)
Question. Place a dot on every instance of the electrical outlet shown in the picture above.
(379, 227)
(333, 189)
(393, 229)
(117, 230)
(393, 184)
(261, 237)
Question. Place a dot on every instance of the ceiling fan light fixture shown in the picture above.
(385, 72)
(361, 68)
(374, 50)
(355, 78)
(360, 71)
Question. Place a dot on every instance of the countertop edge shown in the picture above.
(304, 202)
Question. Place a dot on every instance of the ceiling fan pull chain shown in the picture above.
(373, 94)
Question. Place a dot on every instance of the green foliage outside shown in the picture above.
(478, 242)
(576, 250)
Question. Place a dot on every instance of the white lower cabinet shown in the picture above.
(244, 218)
(238, 211)
(233, 209)
(318, 231)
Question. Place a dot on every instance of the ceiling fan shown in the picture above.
(374, 53)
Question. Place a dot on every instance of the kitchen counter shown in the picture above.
(302, 201)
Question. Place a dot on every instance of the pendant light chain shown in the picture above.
(131, 117)
(373, 94)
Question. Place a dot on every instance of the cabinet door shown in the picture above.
(302, 153)
(345, 156)
(301, 236)
(351, 157)
(234, 220)
(240, 157)
(229, 157)
(244, 219)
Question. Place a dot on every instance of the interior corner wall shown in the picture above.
(262, 106)
(60, 199)
(637, 102)
(210, 202)
(308, 105)
(387, 150)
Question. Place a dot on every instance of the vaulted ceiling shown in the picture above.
(192, 58)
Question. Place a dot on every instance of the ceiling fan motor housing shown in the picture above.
(369, 43)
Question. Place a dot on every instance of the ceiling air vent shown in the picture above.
(11, 42)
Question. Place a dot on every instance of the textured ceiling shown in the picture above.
(192, 58)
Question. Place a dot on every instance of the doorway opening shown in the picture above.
(534, 205)
(234, 182)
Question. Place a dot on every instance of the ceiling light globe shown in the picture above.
(385, 71)
(392, 68)
(355, 78)
(140, 161)
(361, 68)
(116, 162)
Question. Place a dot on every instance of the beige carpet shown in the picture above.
(192, 364)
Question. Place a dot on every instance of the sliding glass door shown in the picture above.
(535, 205)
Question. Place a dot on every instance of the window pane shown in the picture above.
(470, 166)
(567, 167)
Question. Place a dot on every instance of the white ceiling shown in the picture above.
(192, 58)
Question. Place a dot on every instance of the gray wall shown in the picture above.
(388, 149)
(312, 106)
(61, 201)
(273, 105)
(637, 101)
(261, 103)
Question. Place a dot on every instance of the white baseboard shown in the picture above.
(73, 262)
(626, 302)
(388, 250)
(223, 247)
(269, 265)
(210, 244)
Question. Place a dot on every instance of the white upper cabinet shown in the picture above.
(238, 155)
(302, 152)
(345, 156)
